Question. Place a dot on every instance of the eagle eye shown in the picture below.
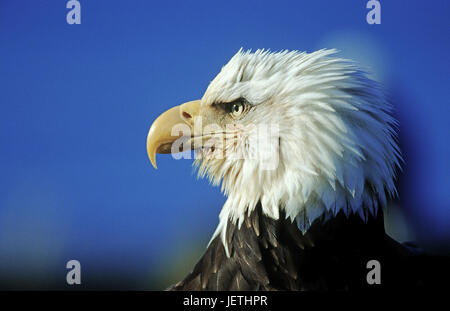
(236, 108)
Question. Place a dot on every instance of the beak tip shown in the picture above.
(152, 158)
(151, 149)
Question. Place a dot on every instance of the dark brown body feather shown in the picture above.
(268, 254)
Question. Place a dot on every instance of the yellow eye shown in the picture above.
(237, 109)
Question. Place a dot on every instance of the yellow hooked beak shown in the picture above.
(160, 138)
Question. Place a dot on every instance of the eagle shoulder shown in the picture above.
(269, 254)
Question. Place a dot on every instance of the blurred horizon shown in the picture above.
(77, 102)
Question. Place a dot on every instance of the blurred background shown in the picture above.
(76, 102)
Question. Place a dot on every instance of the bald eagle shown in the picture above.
(304, 147)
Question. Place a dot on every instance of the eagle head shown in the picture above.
(309, 134)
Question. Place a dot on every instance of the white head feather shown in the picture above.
(337, 148)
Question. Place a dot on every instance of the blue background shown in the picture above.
(77, 102)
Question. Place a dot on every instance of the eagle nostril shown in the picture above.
(186, 115)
